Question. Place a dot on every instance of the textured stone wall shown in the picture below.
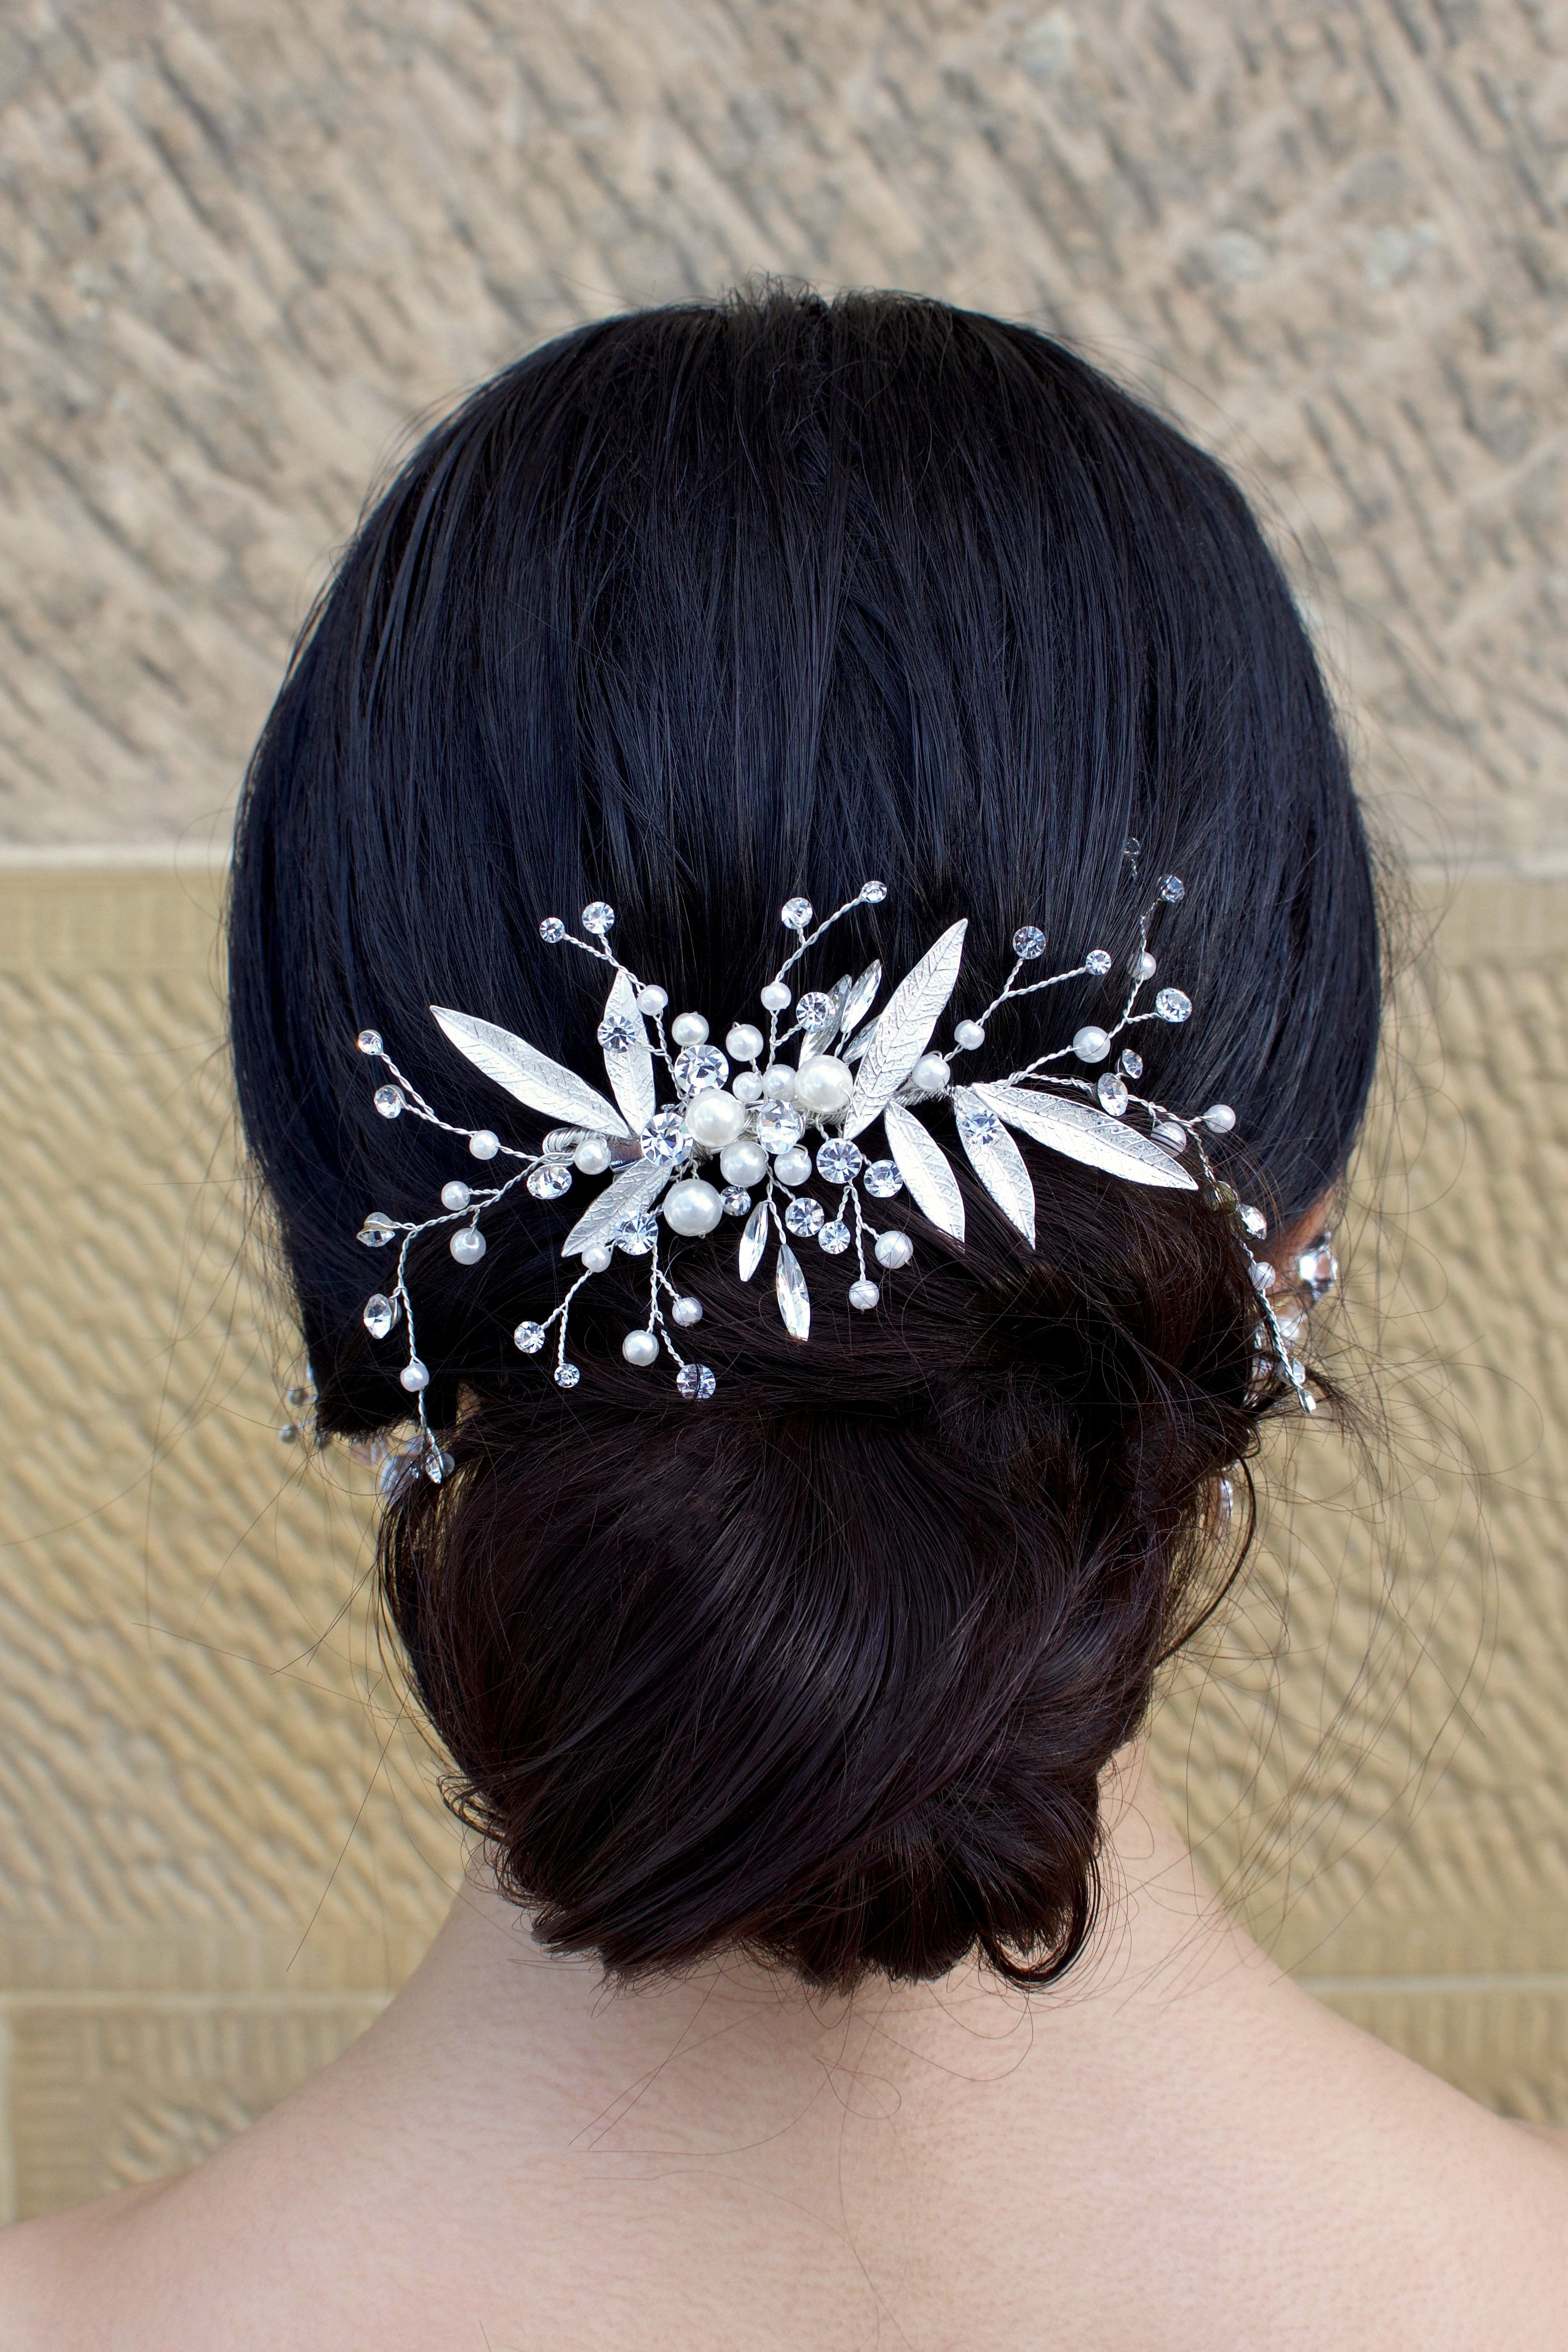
(246, 247)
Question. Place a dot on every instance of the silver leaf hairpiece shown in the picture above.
(754, 1112)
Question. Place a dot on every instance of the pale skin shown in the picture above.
(1182, 2150)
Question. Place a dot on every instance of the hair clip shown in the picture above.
(766, 1126)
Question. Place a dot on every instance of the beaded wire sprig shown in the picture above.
(754, 1111)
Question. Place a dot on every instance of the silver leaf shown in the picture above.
(1087, 1135)
(794, 1299)
(859, 1044)
(903, 1028)
(635, 1189)
(996, 1160)
(860, 999)
(923, 1166)
(529, 1074)
(754, 1241)
(821, 1041)
(632, 1072)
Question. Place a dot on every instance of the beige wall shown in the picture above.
(247, 246)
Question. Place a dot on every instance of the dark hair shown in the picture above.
(693, 609)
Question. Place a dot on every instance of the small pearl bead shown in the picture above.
(591, 1157)
(689, 1029)
(932, 1073)
(692, 1207)
(824, 1083)
(1219, 1119)
(969, 1033)
(775, 997)
(483, 1144)
(747, 1086)
(864, 1295)
(467, 1246)
(651, 1000)
(687, 1311)
(1090, 1043)
(1143, 966)
(415, 1377)
(455, 1195)
(744, 1042)
(715, 1117)
(743, 1161)
(778, 1083)
(793, 1167)
(640, 1348)
(894, 1249)
(596, 1259)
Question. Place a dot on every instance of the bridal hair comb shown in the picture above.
(771, 1125)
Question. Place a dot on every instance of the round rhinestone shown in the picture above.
(795, 914)
(695, 1382)
(834, 1238)
(1098, 962)
(838, 1161)
(636, 1235)
(529, 1337)
(804, 1217)
(1131, 1065)
(597, 919)
(736, 1202)
(565, 1376)
(698, 1067)
(553, 930)
(873, 893)
(550, 1181)
(1172, 1005)
(618, 1032)
(388, 1100)
(1173, 889)
(664, 1137)
(980, 1128)
(779, 1126)
(882, 1179)
(1113, 1093)
(369, 1041)
(1028, 941)
(815, 1011)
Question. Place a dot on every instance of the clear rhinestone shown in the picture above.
(1298, 1372)
(979, 1127)
(553, 930)
(1113, 1093)
(834, 1238)
(529, 1337)
(1173, 889)
(618, 1032)
(1131, 1065)
(882, 1179)
(1318, 1270)
(804, 1217)
(388, 1100)
(597, 919)
(369, 1041)
(795, 914)
(695, 1382)
(376, 1231)
(1253, 1220)
(664, 1137)
(815, 1011)
(873, 893)
(779, 1126)
(1029, 942)
(636, 1235)
(698, 1068)
(1098, 962)
(789, 1290)
(736, 1202)
(380, 1315)
(838, 1161)
(1132, 847)
(549, 1181)
(565, 1376)
(1172, 1005)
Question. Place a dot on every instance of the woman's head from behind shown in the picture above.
(693, 611)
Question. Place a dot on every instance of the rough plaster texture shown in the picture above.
(246, 245)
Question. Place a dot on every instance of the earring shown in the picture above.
(1317, 1268)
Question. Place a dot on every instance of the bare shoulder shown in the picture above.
(54, 2271)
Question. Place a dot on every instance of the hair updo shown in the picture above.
(693, 609)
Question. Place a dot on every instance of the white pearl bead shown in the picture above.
(692, 1207)
(794, 1166)
(467, 1246)
(652, 1000)
(864, 1295)
(747, 1086)
(591, 1157)
(415, 1377)
(775, 997)
(1090, 1043)
(687, 1311)
(969, 1033)
(743, 1161)
(932, 1073)
(689, 1029)
(1143, 966)
(744, 1043)
(715, 1117)
(1219, 1119)
(824, 1083)
(455, 1195)
(640, 1348)
(894, 1249)
(483, 1144)
(596, 1259)
(778, 1083)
